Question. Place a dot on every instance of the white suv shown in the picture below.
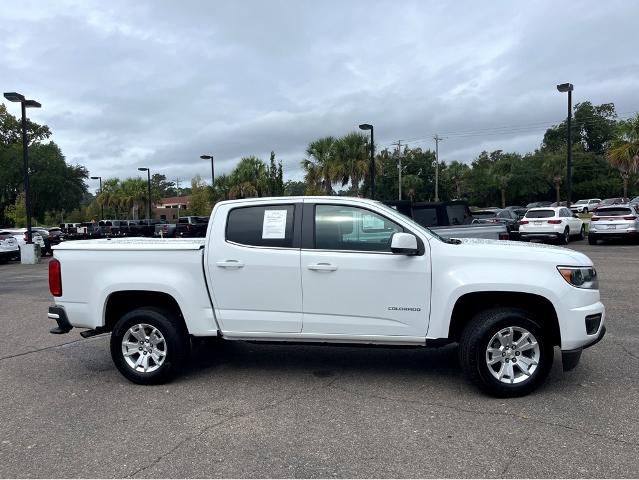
(551, 223)
(585, 206)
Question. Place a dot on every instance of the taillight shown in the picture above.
(55, 278)
(554, 222)
(26, 237)
(525, 222)
(630, 217)
(594, 219)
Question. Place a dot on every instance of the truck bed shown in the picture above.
(134, 244)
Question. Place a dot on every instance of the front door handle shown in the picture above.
(322, 267)
(230, 264)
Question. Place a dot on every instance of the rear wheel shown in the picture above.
(565, 237)
(149, 345)
(505, 353)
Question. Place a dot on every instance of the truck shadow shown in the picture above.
(322, 361)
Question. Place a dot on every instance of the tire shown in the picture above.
(592, 240)
(565, 238)
(582, 232)
(479, 341)
(165, 357)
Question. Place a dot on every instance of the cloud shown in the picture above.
(125, 84)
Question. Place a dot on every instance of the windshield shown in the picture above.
(540, 214)
(581, 202)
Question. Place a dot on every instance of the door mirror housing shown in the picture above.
(404, 244)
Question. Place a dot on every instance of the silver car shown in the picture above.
(614, 221)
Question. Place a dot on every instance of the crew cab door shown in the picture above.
(352, 284)
(253, 261)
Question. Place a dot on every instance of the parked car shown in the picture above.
(634, 201)
(165, 230)
(585, 206)
(145, 227)
(192, 226)
(613, 201)
(551, 223)
(330, 270)
(538, 204)
(504, 216)
(9, 249)
(519, 210)
(46, 238)
(449, 219)
(69, 227)
(615, 221)
(113, 228)
(20, 234)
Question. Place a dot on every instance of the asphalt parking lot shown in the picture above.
(245, 410)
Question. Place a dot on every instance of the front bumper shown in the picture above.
(570, 358)
(581, 328)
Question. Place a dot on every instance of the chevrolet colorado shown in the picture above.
(330, 270)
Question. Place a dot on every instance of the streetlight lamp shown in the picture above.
(24, 103)
(148, 173)
(101, 206)
(368, 126)
(563, 88)
(210, 157)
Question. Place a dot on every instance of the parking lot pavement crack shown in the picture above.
(478, 412)
(228, 419)
(51, 347)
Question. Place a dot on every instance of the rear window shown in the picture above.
(425, 216)
(200, 219)
(458, 215)
(540, 214)
(261, 226)
(613, 212)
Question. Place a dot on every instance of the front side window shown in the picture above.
(340, 227)
(261, 226)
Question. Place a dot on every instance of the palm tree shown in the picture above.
(251, 170)
(320, 163)
(222, 187)
(624, 153)
(555, 167)
(351, 158)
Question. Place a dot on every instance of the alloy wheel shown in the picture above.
(512, 355)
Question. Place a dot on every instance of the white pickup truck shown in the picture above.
(330, 270)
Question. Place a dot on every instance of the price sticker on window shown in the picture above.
(274, 225)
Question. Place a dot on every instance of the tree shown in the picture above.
(320, 165)
(17, 212)
(275, 177)
(200, 203)
(411, 184)
(624, 153)
(293, 188)
(162, 187)
(350, 160)
(252, 174)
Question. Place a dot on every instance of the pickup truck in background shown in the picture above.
(330, 270)
(191, 226)
(449, 219)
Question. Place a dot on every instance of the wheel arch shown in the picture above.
(467, 306)
(120, 302)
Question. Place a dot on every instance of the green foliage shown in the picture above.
(201, 196)
(16, 213)
(294, 188)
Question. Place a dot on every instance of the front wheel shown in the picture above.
(505, 353)
(582, 232)
(149, 345)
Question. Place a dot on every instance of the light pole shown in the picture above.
(148, 174)
(101, 206)
(210, 157)
(368, 126)
(24, 103)
(563, 88)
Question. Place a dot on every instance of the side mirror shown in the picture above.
(404, 244)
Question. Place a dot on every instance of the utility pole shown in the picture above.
(177, 190)
(437, 139)
(399, 166)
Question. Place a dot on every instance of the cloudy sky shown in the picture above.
(125, 84)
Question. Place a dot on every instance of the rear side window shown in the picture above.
(613, 212)
(540, 214)
(426, 217)
(261, 226)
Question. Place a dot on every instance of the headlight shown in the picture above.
(580, 277)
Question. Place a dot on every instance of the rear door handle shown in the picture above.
(322, 267)
(230, 264)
